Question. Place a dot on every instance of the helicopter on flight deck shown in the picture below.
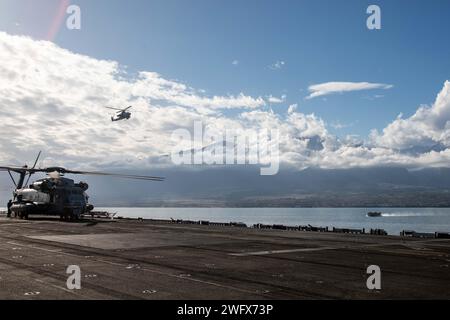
(54, 195)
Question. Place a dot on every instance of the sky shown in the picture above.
(340, 94)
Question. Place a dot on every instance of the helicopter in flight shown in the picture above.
(121, 114)
(54, 195)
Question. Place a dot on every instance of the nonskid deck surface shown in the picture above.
(130, 259)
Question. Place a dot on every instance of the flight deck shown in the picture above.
(145, 259)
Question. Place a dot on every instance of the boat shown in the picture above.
(374, 214)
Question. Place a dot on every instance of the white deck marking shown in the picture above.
(34, 247)
(368, 245)
(262, 253)
(57, 287)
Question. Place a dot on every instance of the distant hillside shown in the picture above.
(244, 187)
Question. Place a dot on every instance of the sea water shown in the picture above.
(393, 220)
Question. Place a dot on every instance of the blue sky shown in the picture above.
(196, 42)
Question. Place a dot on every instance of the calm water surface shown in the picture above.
(393, 220)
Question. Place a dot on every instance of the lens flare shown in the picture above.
(58, 20)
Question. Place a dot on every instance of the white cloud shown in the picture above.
(235, 62)
(276, 100)
(292, 108)
(151, 85)
(339, 125)
(328, 88)
(428, 128)
(375, 96)
(53, 100)
(277, 65)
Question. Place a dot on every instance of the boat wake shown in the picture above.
(408, 214)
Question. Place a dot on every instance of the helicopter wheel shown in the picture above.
(66, 215)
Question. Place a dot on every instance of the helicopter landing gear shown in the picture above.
(23, 215)
(69, 216)
(74, 217)
(65, 216)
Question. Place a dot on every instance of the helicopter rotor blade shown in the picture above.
(92, 173)
(113, 108)
(37, 159)
(12, 178)
(20, 169)
(117, 175)
(34, 166)
(96, 173)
